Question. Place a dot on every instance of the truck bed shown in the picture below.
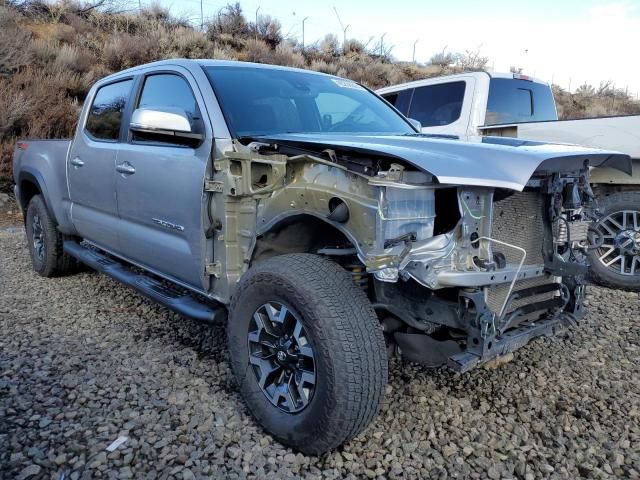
(37, 160)
(621, 133)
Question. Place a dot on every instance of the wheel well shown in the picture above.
(28, 190)
(298, 234)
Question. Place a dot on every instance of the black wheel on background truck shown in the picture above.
(307, 351)
(616, 263)
(45, 242)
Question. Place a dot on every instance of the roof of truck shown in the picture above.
(444, 78)
(190, 63)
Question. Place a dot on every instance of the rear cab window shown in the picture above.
(439, 104)
(518, 101)
(105, 115)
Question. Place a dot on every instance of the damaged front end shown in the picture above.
(459, 274)
(515, 260)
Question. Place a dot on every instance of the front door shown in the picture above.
(160, 182)
(91, 166)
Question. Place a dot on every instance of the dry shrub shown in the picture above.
(229, 22)
(329, 46)
(324, 67)
(124, 51)
(353, 46)
(189, 43)
(284, 54)
(589, 101)
(14, 106)
(72, 58)
(366, 70)
(44, 52)
(255, 51)
(53, 109)
(268, 29)
(7, 146)
(64, 34)
(80, 25)
(15, 42)
(259, 52)
(36, 103)
(225, 40)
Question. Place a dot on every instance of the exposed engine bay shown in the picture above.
(458, 274)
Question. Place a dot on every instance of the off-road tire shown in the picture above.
(348, 344)
(53, 262)
(599, 273)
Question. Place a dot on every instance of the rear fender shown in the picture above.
(31, 182)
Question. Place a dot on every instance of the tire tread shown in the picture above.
(356, 341)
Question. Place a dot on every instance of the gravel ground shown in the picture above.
(84, 360)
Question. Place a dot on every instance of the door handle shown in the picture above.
(76, 162)
(126, 168)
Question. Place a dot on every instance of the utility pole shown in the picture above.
(414, 51)
(303, 20)
(201, 17)
(257, 10)
(344, 29)
(382, 43)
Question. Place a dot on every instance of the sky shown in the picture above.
(565, 41)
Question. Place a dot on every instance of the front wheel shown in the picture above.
(616, 263)
(307, 351)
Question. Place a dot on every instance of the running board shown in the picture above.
(174, 298)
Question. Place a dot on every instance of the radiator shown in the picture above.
(519, 220)
(496, 294)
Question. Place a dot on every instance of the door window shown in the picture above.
(400, 99)
(105, 115)
(437, 105)
(167, 90)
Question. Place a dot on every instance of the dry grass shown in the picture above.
(51, 53)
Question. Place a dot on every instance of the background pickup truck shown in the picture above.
(313, 217)
(470, 106)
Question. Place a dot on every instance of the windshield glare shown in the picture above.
(264, 101)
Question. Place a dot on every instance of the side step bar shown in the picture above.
(174, 298)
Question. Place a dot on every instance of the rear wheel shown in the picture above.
(616, 263)
(45, 242)
(307, 351)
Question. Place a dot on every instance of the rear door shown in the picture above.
(160, 184)
(91, 165)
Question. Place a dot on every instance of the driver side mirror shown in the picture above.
(165, 123)
(416, 124)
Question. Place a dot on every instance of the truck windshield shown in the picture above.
(266, 101)
(519, 101)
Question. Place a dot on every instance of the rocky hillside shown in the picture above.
(51, 53)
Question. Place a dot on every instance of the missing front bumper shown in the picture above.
(508, 343)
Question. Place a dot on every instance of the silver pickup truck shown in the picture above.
(316, 221)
